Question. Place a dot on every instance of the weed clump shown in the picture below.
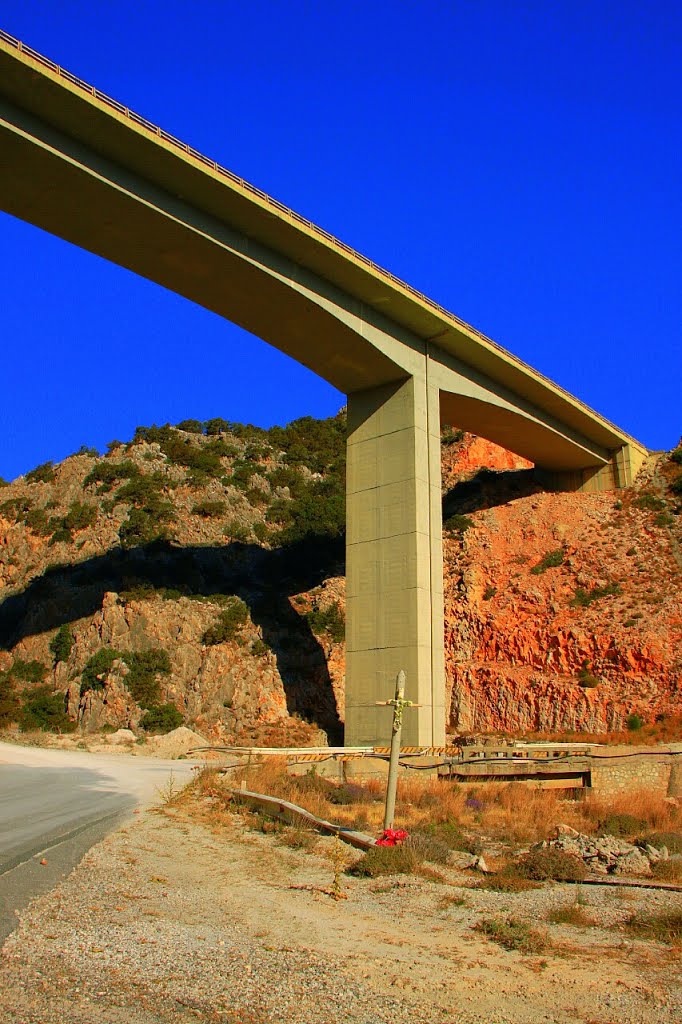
(548, 864)
(387, 860)
(570, 913)
(671, 840)
(328, 620)
(621, 825)
(228, 624)
(551, 560)
(511, 933)
(584, 598)
(665, 926)
(457, 525)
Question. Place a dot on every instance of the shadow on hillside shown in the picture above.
(263, 579)
(490, 488)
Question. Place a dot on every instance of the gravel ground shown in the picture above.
(168, 921)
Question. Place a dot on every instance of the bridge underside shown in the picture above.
(80, 171)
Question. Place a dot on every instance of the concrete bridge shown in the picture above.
(86, 168)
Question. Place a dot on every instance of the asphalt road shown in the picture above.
(55, 804)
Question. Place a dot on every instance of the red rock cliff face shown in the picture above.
(517, 641)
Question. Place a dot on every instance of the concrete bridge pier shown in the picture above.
(394, 566)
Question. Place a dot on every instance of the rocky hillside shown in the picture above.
(196, 574)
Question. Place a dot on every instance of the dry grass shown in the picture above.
(513, 934)
(668, 730)
(665, 926)
(438, 814)
(571, 913)
(668, 871)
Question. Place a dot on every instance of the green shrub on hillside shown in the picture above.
(203, 460)
(106, 473)
(551, 560)
(242, 472)
(37, 521)
(98, 667)
(676, 485)
(228, 624)
(287, 476)
(61, 536)
(44, 710)
(584, 598)
(9, 702)
(79, 516)
(43, 474)
(236, 531)
(328, 620)
(317, 513)
(451, 435)
(62, 643)
(279, 511)
(634, 722)
(209, 509)
(318, 444)
(217, 426)
(141, 679)
(15, 508)
(146, 525)
(3, 482)
(161, 719)
(260, 531)
(457, 525)
(29, 671)
(649, 502)
(191, 426)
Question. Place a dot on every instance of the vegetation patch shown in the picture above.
(328, 620)
(208, 509)
(9, 701)
(571, 913)
(451, 435)
(671, 840)
(387, 860)
(513, 934)
(649, 502)
(457, 525)
(587, 680)
(549, 864)
(62, 643)
(43, 474)
(107, 473)
(664, 926)
(45, 710)
(141, 680)
(551, 560)
(161, 719)
(228, 625)
(508, 880)
(584, 598)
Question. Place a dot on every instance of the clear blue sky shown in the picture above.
(518, 162)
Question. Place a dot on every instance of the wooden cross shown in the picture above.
(398, 704)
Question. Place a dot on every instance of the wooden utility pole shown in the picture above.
(398, 704)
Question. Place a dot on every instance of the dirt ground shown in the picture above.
(170, 920)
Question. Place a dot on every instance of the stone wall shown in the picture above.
(625, 769)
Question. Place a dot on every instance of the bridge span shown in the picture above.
(84, 167)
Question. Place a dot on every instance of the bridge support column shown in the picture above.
(394, 564)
